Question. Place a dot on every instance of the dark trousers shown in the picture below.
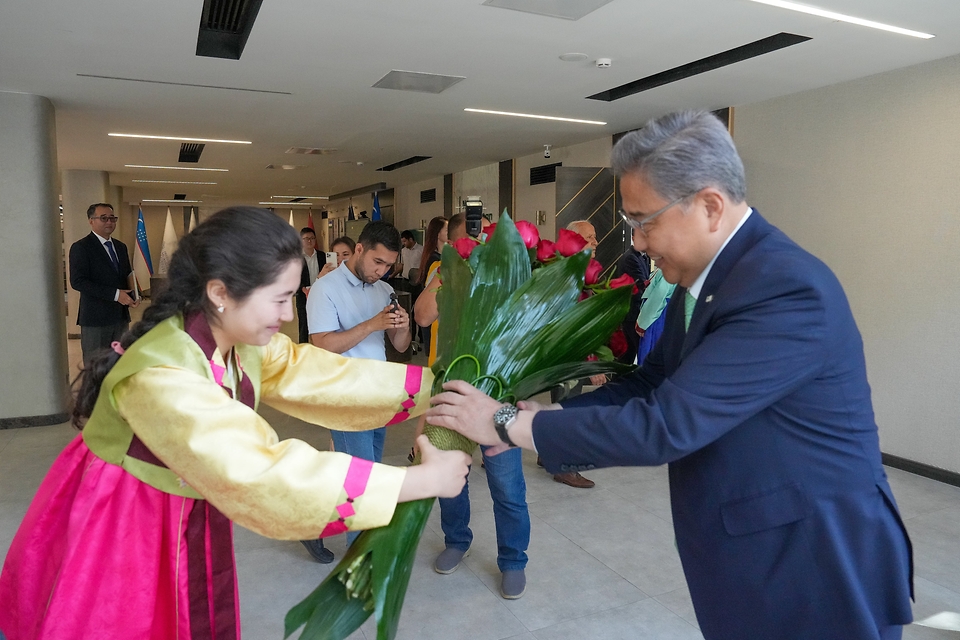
(302, 320)
(92, 339)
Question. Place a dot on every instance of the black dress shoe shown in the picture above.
(317, 551)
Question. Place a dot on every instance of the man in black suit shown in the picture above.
(100, 271)
(314, 266)
(635, 264)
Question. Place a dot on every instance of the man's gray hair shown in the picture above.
(680, 153)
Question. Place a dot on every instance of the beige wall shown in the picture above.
(484, 182)
(409, 212)
(865, 175)
(543, 197)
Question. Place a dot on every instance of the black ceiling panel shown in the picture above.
(404, 163)
(731, 56)
(190, 152)
(225, 26)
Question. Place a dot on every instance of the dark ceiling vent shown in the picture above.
(179, 196)
(190, 152)
(225, 26)
(544, 174)
(428, 195)
(404, 163)
(731, 56)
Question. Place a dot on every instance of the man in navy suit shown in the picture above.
(756, 396)
(100, 271)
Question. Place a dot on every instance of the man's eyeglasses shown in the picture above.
(640, 224)
(107, 218)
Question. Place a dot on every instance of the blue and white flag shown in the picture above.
(142, 264)
(376, 207)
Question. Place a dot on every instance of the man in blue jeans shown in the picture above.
(508, 490)
(348, 312)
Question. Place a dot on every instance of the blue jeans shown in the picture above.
(509, 493)
(361, 444)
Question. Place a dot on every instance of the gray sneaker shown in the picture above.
(449, 560)
(513, 584)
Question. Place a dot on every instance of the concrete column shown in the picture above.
(33, 347)
(80, 189)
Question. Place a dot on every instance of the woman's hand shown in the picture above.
(441, 474)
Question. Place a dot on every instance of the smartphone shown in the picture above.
(332, 258)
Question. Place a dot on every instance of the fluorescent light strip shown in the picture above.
(171, 182)
(150, 166)
(823, 13)
(531, 115)
(182, 139)
(287, 204)
(187, 201)
(305, 197)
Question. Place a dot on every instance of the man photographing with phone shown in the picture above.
(351, 311)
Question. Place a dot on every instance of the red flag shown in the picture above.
(310, 219)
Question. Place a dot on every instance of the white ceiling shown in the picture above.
(326, 54)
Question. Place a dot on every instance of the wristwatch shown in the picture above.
(503, 419)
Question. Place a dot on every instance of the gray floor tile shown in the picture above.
(645, 619)
(563, 582)
(631, 541)
(917, 495)
(936, 550)
(11, 515)
(680, 603)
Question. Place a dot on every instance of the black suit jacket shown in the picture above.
(93, 275)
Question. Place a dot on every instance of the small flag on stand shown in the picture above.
(350, 215)
(169, 245)
(142, 263)
(193, 219)
(376, 207)
(291, 219)
(310, 220)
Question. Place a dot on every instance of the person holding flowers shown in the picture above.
(756, 396)
(130, 534)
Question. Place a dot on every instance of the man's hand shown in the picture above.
(598, 380)
(389, 318)
(125, 299)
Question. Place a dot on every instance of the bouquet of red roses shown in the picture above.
(518, 315)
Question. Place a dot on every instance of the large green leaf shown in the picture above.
(548, 294)
(552, 376)
(328, 612)
(571, 337)
(451, 299)
(502, 268)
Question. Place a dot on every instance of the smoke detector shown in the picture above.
(604, 63)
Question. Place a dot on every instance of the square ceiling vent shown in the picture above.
(566, 9)
(417, 81)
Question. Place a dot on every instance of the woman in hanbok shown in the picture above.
(130, 534)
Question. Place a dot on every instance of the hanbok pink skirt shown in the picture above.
(102, 555)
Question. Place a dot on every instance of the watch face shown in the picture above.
(504, 414)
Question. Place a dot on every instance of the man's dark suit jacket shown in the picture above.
(93, 275)
(785, 522)
(301, 297)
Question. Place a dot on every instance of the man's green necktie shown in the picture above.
(689, 302)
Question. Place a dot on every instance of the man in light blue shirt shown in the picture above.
(350, 311)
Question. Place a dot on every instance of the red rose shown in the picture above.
(528, 231)
(486, 233)
(592, 357)
(618, 343)
(465, 246)
(546, 250)
(594, 269)
(622, 281)
(569, 243)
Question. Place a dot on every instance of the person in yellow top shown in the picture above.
(130, 534)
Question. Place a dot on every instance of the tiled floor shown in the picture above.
(602, 561)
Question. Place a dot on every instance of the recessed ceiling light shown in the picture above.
(823, 13)
(532, 115)
(171, 182)
(150, 166)
(179, 138)
(304, 197)
(573, 57)
(188, 201)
